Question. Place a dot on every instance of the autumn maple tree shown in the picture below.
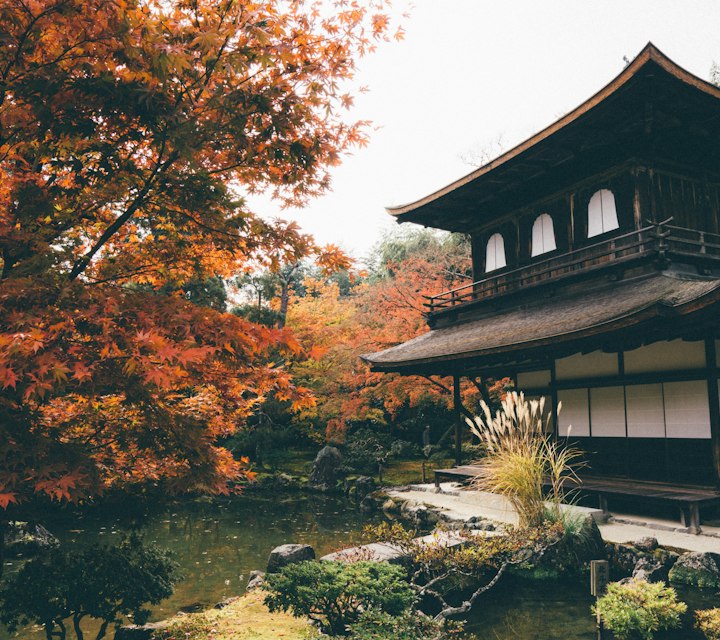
(130, 130)
(384, 308)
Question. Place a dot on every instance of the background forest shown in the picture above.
(338, 317)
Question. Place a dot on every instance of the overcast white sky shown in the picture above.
(470, 71)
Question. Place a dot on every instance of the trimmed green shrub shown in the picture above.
(404, 449)
(638, 609)
(102, 582)
(366, 450)
(411, 625)
(334, 594)
(708, 621)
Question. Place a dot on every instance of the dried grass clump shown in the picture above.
(522, 456)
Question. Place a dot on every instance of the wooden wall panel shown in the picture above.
(645, 412)
(574, 416)
(607, 412)
(687, 413)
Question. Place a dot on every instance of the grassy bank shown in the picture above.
(298, 462)
(245, 619)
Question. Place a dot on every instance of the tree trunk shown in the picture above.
(284, 300)
(4, 527)
(103, 630)
(76, 625)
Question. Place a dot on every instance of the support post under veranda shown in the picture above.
(457, 411)
(714, 403)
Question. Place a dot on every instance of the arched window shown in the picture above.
(543, 235)
(602, 215)
(495, 253)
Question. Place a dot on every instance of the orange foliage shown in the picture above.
(379, 314)
(129, 131)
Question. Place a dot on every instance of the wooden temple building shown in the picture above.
(596, 278)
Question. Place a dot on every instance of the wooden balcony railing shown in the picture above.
(662, 241)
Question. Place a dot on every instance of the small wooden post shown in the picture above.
(599, 578)
(426, 450)
(458, 419)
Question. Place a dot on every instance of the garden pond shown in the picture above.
(218, 542)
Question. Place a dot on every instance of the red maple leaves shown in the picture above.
(129, 132)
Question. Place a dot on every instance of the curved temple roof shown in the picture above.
(430, 212)
(633, 304)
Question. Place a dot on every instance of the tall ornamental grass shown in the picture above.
(522, 458)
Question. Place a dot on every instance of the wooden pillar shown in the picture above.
(457, 403)
(637, 207)
(571, 239)
(478, 257)
(714, 401)
(554, 399)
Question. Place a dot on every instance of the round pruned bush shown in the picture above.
(365, 450)
(402, 449)
(102, 582)
(334, 594)
(638, 609)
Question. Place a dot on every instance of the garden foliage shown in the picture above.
(334, 594)
(453, 577)
(639, 609)
(131, 133)
(708, 621)
(411, 625)
(66, 585)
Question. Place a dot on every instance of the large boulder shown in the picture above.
(650, 570)
(257, 579)
(697, 569)
(363, 487)
(419, 515)
(647, 544)
(644, 559)
(289, 554)
(570, 554)
(326, 469)
(624, 558)
(23, 538)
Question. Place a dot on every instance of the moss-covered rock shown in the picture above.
(276, 481)
(23, 539)
(698, 570)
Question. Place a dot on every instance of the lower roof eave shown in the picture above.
(656, 320)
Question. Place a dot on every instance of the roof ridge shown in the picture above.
(649, 53)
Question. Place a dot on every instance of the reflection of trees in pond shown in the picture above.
(517, 626)
(544, 622)
(218, 543)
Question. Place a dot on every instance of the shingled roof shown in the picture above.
(621, 110)
(636, 303)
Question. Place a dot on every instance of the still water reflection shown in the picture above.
(218, 543)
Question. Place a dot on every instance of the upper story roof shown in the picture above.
(653, 109)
